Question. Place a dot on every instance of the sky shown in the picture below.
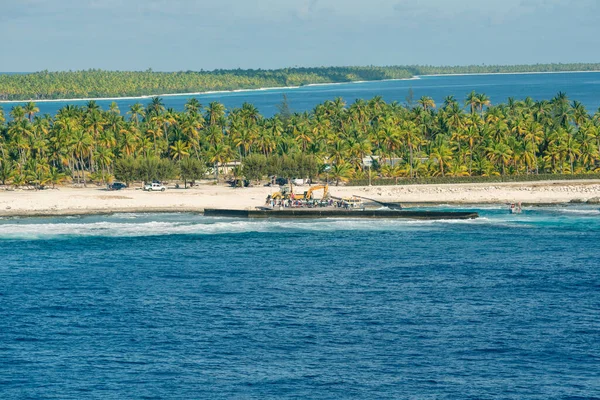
(176, 35)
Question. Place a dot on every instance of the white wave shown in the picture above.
(213, 226)
(580, 211)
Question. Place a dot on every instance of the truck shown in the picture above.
(154, 187)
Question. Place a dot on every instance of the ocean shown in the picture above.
(582, 87)
(181, 306)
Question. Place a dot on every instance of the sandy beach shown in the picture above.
(94, 200)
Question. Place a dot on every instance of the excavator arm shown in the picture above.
(309, 192)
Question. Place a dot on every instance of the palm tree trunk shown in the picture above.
(81, 164)
(411, 163)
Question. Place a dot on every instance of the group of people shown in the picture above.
(515, 208)
(296, 203)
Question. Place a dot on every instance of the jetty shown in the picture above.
(339, 213)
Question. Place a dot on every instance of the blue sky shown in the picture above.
(170, 35)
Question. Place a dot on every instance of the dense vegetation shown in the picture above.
(98, 83)
(495, 69)
(457, 139)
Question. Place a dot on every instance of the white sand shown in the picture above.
(65, 200)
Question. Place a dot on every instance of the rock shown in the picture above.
(594, 200)
(576, 201)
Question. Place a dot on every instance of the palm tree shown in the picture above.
(572, 150)
(192, 106)
(136, 111)
(6, 171)
(155, 107)
(215, 113)
(31, 109)
(17, 113)
(81, 145)
(483, 101)
(113, 108)
(219, 155)
(472, 101)
(340, 172)
(500, 153)
(179, 150)
(56, 177)
(441, 155)
(426, 102)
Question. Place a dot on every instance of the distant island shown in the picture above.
(95, 83)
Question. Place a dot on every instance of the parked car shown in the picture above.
(239, 183)
(281, 181)
(154, 187)
(117, 186)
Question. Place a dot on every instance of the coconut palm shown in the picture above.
(441, 155)
(179, 150)
(340, 172)
(426, 102)
(500, 153)
(30, 110)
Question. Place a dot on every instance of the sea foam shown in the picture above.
(140, 225)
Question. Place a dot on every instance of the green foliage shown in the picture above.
(147, 169)
(284, 109)
(6, 170)
(454, 140)
(126, 169)
(296, 165)
(494, 69)
(306, 166)
(98, 83)
(95, 83)
(191, 169)
(254, 166)
(274, 165)
(473, 179)
(152, 168)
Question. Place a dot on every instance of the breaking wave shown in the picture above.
(143, 225)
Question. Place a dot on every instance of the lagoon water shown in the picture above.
(583, 87)
(183, 306)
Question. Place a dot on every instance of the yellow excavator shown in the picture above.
(285, 193)
(308, 195)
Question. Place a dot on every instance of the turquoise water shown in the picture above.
(183, 306)
(583, 87)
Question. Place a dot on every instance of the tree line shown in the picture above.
(458, 138)
(97, 83)
(495, 69)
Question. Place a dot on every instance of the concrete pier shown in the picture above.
(339, 213)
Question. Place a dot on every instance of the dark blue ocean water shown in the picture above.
(182, 306)
(584, 87)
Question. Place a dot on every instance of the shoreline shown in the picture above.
(210, 92)
(514, 73)
(69, 201)
(200, 211)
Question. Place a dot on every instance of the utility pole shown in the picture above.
(367, 162)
